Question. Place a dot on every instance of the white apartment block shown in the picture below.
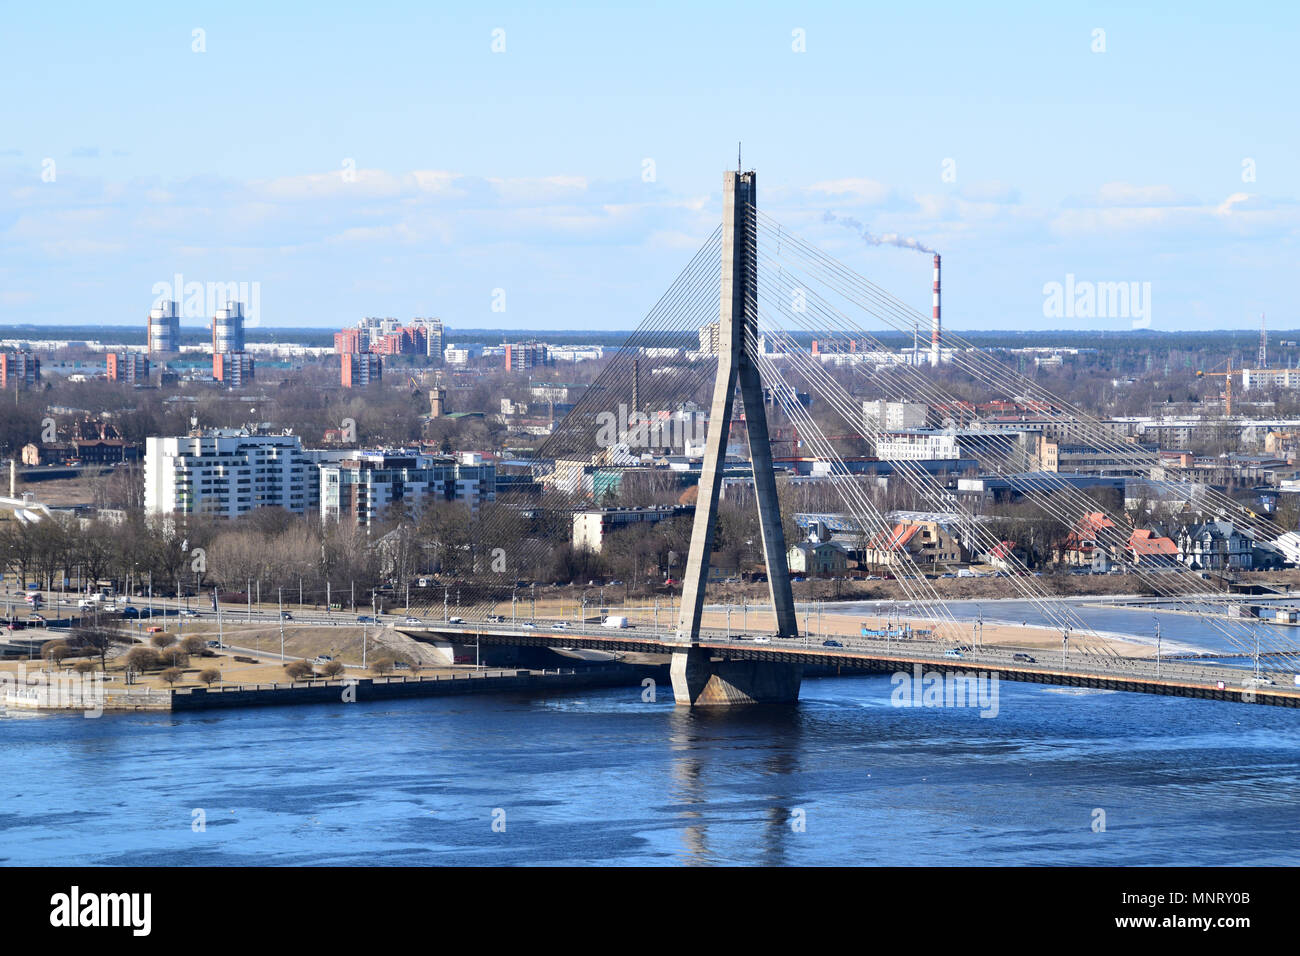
(893, 416)
(228, 472)
(1270, 378)
(919, 446)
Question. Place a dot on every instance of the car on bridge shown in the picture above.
(559, 626)
(413, 620)
(831, 644)
(762, 640)
(952, 652)
(286, 616)
(365, 619)
(528, 626)
(1023, 659)
(455, 620)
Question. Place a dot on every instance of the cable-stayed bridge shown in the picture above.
(739, 304)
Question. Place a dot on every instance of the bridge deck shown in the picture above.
(1178, 679)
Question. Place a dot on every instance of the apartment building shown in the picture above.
(19, 370)
(894, 416)
(227, 472)
(128, 367)
(371, 487)
(360, 370)
(233, 369)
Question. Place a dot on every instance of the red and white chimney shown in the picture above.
(935, 326)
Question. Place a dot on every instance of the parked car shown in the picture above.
(155, 629)
(323, 659)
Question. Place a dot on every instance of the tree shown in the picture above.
(84, 667)
(171, 675)
(96, 639)
(209, 675)
(194, 645)
(332, 669)
(143, 659)
(383, 665)
(55, 651)
(299, 670)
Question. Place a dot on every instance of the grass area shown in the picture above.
(343, 643)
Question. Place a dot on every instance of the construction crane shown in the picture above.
(1227, 384)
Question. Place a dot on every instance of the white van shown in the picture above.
(614, 621)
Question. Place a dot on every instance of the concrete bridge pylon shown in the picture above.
(698, 679)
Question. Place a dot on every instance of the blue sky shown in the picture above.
(523, 170)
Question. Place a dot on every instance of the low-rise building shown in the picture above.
(590, 528)
(1215, 546)
(817, 557)
(927, 544)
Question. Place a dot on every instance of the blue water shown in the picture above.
(603, 778)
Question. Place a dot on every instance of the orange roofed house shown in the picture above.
(928, 543)
(1153, 550)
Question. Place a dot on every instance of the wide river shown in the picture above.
(606, 778)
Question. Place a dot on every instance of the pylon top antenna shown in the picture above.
(738, 166)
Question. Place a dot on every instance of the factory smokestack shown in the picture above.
(935, 326)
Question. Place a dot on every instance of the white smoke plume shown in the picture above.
(871, 239)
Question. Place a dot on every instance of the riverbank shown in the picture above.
(92, 697)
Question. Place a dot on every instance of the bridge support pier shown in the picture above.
(701, 681)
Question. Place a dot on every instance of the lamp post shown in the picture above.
(1157, 620)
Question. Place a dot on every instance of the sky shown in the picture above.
(413, 159)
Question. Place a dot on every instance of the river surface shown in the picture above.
(603, 778)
